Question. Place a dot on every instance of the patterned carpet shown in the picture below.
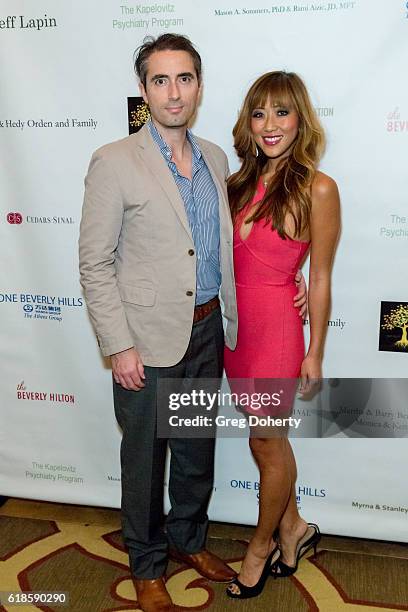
(79, 550)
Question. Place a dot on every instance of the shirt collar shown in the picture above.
(164, 147)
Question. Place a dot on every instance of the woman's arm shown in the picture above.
(324, 232)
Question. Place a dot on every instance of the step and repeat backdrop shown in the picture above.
(67, 87)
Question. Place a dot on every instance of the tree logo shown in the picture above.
(394, 326)
(138, 114)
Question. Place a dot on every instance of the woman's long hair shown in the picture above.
(289, 191)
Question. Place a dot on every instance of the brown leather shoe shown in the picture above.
(205, 563)
(152, 595)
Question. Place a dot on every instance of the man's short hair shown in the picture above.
(165, 42)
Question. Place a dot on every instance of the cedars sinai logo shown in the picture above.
(393, 327)
(14, 218)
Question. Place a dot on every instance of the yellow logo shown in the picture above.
(398, 319)
(140, 115)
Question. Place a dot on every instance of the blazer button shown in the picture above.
(191, 251)
(189, 293)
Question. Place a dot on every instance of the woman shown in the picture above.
(282, 208)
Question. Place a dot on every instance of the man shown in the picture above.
(155, 250)
(155, 253)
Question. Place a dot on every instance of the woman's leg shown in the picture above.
(274, 493)
(291, 526)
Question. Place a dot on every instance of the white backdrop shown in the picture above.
(65, 74)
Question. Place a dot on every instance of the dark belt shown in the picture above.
(201, 311)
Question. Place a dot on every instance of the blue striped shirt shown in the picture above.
(200, 199)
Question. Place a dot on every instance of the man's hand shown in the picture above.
(128, 370)
(300, 299)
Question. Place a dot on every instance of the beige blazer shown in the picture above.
(135, 245)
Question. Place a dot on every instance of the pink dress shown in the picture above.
(270, 331)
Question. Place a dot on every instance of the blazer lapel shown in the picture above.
(162, 175)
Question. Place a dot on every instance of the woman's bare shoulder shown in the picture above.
(323, 186)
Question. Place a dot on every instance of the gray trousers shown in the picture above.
(143, 455)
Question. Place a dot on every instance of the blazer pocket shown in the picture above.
(142, 296)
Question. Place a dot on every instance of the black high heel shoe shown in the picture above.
(245, 592)
(279, 569)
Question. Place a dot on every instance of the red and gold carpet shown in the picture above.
(54, 547)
